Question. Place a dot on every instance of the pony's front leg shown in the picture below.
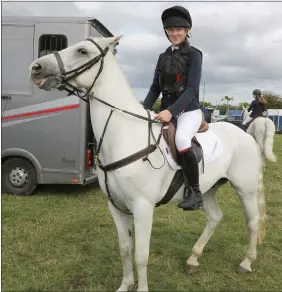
(214, 215)
(143, 217)
(123, 224)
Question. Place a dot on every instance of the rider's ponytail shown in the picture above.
(262, 99)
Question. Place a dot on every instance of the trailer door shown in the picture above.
(17, 47)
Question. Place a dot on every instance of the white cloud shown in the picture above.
(89, 6)
(143, 42)
(241, 42)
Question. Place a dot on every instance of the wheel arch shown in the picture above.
(21, 153)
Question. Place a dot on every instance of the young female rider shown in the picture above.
(177, 76)
(257, 107)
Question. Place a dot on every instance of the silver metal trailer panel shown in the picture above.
(47, 137)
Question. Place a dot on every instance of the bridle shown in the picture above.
(144, 153)
(66, 76)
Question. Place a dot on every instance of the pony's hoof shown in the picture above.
(125, 288)
(241, 271)
(190, 270)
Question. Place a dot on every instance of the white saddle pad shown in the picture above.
(211, 144)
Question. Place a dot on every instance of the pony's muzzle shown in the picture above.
(36, 70)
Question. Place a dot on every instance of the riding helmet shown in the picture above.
(256, 92)
(176, 16)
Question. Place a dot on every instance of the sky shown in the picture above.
(241, 41)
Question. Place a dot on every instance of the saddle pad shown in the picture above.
(211, 144)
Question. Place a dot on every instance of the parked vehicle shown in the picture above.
(47, 137)
(235, 117)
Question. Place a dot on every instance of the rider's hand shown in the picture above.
(164, 116)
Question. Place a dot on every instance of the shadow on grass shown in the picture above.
(62, 190)
(59, 189)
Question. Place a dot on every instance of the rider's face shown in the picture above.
(177, 34)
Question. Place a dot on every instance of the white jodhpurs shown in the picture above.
(188, 125)
(247, 120)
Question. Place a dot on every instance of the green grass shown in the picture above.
(64, 239)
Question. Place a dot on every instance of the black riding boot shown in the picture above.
(192, 194)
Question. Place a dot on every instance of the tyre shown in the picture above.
(18, 177)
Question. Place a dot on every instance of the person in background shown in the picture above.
(257, 107)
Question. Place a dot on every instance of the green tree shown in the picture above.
(242, 104)
(227, 99)
(273, 100)
(223, 109)
(206, 104)
(156, 106)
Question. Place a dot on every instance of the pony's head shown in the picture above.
(245, 113)
(76, 66)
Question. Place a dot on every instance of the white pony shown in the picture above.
(136, 187)
(263, 131)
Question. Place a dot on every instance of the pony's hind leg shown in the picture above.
(253, 200)
(250, 203)
(123, 224)
(213, 215)
(254, 207)
(246, 177)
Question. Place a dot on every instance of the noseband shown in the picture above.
(66, 76)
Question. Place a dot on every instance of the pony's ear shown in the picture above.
(115, 40)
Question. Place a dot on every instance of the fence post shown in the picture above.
(278, 126)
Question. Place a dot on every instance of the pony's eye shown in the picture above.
(82, 51)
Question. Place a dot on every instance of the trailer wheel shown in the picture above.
(18, 177)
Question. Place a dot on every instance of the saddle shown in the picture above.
(249, 123)
(169, 136)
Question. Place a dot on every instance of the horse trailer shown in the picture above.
(276, 116)
(47, 137)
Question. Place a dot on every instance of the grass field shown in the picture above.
(64, 239)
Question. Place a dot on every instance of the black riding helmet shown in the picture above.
(176, 16)
(256, 92)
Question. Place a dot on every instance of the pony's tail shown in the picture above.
(261, 208)
(268, 141)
